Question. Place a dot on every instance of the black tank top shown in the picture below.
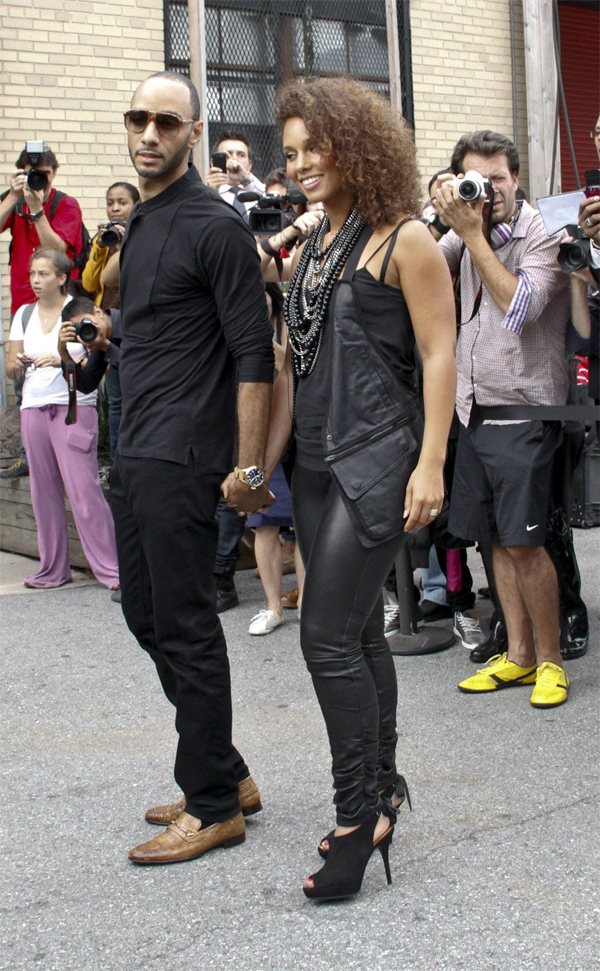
(384, 315)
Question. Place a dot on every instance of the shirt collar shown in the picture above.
(171, 193)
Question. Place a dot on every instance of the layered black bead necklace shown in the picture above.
(311, 287)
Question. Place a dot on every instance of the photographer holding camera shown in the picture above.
(230, 171)
(510, 352)
(27, 210)
(83, 322)
(583, 334)
(38, 217)
(121, 197)
(62, 456)
(102, 263)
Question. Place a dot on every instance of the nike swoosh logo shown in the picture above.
(529, 528)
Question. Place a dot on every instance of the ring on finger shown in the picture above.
(588, 221)
(433, 512)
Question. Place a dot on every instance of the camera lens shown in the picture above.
(86, 330)
(469, 190)
(109, 237)
(572, 256)
(37, 180)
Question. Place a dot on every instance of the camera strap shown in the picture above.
(498, 236)
(71, 375)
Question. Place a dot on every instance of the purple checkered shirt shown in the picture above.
(517, 358)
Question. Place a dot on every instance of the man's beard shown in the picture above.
(168, 165)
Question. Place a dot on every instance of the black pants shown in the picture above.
(166, 542)
(231, 530)
(343, 643)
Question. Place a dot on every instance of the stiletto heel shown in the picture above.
(401, 791)
(399, 788)
(383, 845)
(346, 862)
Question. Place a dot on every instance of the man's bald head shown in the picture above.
(179, 79)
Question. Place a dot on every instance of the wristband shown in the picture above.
(437, 224)
(266, 247)
(34, 216)
(296, 229)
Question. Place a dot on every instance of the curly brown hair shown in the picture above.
(372, 145)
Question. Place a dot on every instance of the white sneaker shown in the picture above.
(469, 631)
(391, 619)
(265, 622)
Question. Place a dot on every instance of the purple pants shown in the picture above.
(63, 458)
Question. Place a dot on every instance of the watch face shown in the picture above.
(254, 477)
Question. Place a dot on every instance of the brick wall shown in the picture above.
(462, 76)
(69, 71)
(70, 67)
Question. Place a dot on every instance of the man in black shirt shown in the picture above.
(194, 316)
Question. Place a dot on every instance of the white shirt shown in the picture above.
(255, 186)
(46, 385)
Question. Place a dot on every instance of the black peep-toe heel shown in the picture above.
(346, 862)
(399, 788)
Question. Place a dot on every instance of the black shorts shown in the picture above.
(502, 484)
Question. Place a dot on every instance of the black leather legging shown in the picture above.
(343, 643)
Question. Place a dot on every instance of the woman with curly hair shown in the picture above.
(368, 283)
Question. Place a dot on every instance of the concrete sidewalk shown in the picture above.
(496, 869)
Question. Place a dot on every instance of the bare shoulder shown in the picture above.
(415, 243)
(414, 232)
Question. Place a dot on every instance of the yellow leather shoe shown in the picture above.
(248, 794)
(551, 686)
(498, 673)
(187, 838)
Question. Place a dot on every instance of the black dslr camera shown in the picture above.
(268, 216)
(575, 254)
(36, 180)
(109, 236)
(86, 330)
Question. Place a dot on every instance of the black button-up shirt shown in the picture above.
(194, 321)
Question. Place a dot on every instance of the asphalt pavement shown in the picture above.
(496, 868)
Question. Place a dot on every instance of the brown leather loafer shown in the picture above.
(187, 838)
(249, 797)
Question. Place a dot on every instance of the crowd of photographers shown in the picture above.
(526, 300)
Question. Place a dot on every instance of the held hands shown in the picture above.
(240, 496)
(424, 498)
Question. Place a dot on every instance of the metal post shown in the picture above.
(541, 77)
(409, 640)
(391, 19)
(198, 76)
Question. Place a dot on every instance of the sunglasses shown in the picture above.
(167, 123)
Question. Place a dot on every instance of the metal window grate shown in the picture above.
(252, 46)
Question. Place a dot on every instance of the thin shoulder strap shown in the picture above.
(355, 255)
(381, 245)
(392, 238)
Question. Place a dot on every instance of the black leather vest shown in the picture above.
(373, 427)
